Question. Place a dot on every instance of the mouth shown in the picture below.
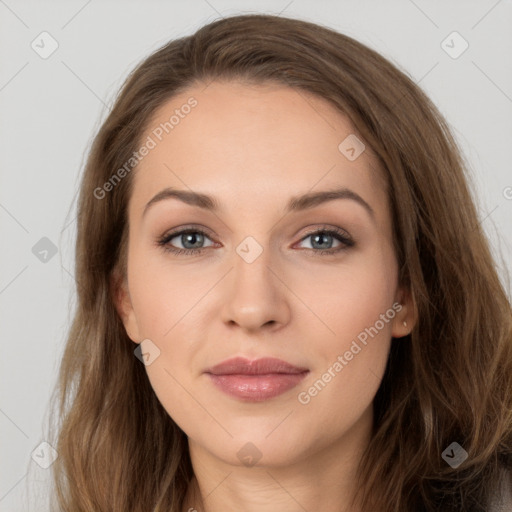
(255, 381)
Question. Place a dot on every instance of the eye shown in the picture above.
(323, 239)
(191, 240)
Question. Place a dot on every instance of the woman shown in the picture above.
(254, 368)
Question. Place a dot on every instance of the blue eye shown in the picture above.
(320, 236)
(194, 238)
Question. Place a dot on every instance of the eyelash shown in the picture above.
(339, 234)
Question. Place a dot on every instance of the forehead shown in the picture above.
(246, 142)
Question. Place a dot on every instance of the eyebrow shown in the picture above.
(295, 204)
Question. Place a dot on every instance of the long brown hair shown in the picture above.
(449, 381)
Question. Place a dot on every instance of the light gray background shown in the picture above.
(51, 108)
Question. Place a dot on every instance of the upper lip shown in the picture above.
(265, 365)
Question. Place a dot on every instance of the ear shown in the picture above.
(406, 316)
(122, 302)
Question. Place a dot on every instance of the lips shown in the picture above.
(242, 366)
(256, 380)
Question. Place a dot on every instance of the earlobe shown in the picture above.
(405, 319)
(122, 302)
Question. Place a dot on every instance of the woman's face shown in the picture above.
(264, 285)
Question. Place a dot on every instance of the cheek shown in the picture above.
(178, 396)
(351, 297)
(357, 305)
(351, 362)
(163, 295)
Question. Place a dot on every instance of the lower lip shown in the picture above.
(257, 388)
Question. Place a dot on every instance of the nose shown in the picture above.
(255, 295)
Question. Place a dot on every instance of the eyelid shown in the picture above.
(187, 227)
(327, 228)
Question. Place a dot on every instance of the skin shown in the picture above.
(253, 147)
